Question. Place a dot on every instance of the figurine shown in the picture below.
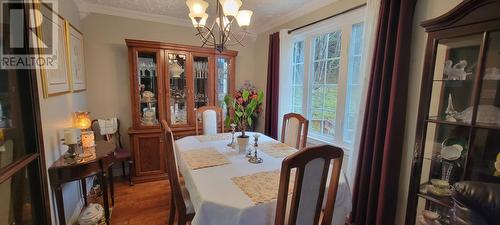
(450, 110)
(457, 72)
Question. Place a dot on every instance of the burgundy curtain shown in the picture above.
(272, 90)
(379, 162)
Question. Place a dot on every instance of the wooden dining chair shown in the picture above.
(312, 167)
(179, 199)
(294, 130)
(121, 155)
(210, 129)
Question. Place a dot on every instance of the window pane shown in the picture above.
(298, 74)
(317, 97)
(319, 72)
(332, 72)
(315, 126)
(320, 45)
(297, 95)
(329, 127)
(298, 52)
(353, 83)
(334, 41)
(331, 97)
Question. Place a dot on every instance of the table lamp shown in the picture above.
(83, 122)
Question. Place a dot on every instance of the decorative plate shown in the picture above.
(440, 183)
(452, 152)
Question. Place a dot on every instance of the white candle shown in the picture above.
(70, 136)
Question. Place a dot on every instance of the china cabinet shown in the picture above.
(167, 82)
(458, 128)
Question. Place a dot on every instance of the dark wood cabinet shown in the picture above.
(167, 82)
(458, 124)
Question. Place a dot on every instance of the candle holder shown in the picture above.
(255, 159)
(233, 131)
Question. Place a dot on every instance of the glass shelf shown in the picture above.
(148, 87)
(201, 72)
(178, 89)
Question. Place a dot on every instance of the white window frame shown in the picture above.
(344, 24)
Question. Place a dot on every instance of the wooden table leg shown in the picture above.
(60, 205)
(83, 182)
(104, 183)
(111, 185)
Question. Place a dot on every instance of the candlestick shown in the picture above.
(233, 130)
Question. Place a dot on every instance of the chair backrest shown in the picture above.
(172, 167)
(312, 167)
(294, 130)
(210, 126)
(114, 137)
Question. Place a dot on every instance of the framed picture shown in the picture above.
(55, 81)
(76, 63)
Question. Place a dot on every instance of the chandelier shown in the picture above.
(222, 32)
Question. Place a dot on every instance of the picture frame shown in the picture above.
(55, 81)
(76, 66)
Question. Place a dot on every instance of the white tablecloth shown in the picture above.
(218, 201)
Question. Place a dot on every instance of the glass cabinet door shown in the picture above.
(223, 79)
(147, 76)
(454, 72)
(201, 77)
(485, 156)
(178, 81)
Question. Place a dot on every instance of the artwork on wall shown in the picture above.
(55, 81)
(76, 65)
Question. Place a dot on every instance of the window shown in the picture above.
(326, 80)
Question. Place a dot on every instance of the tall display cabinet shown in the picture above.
(458, 130)
(167, 82)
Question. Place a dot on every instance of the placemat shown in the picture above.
(276, 149)
(217, 137)
(203, 158)
(263, 186)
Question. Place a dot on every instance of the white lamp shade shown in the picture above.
(230, 7)
(244, 17)
(197, 8)
(202, 22)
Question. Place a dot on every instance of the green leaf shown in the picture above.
(227, 121)
(260, 97)
(238, 113)
(250, 121)
(245, 95)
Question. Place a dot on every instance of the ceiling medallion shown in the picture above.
(221, 33)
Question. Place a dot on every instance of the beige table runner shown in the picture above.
(217, 137)
(203, 158)
(262, 187)
(276, 149)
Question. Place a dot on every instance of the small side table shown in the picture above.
(62, 172)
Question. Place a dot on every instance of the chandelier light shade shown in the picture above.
(197, 8)
(201, 22)
(221, 32)
(243, 18)
(230, 7)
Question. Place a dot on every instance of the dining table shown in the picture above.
(218, 200)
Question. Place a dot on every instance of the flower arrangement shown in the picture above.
(244, 106)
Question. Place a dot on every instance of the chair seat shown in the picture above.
(122, 154)
(187, 201)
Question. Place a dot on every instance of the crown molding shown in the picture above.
(294, 14)
(86, 8)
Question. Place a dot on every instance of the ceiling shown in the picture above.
(267, 13)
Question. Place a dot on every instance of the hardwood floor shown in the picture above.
(144, 203)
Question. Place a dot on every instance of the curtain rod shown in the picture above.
(321, 20)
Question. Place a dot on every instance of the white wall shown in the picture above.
(425, 9)
(107, 66)
(56, 115)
